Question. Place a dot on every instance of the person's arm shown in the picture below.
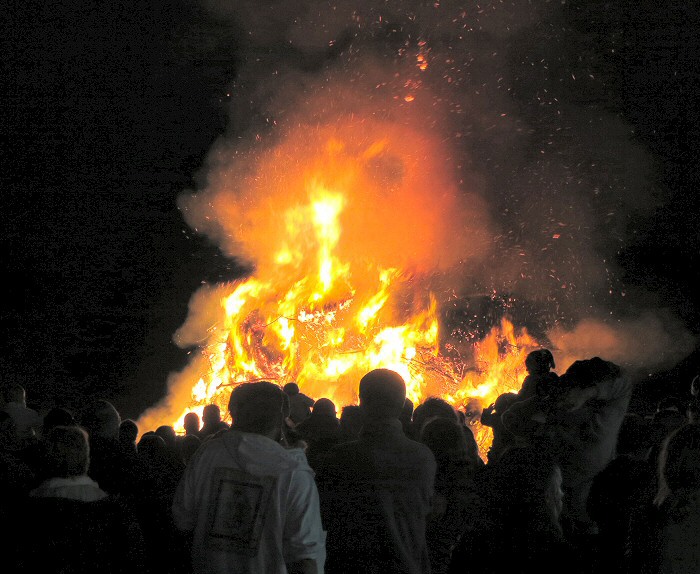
(303, 538)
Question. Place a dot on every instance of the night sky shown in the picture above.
(110, 112)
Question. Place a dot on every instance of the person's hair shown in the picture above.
(191, 422)
(540, 361)
(256, 407)
(211, 413)
(66, 451)
(101, 419)
(382, 394)
(57, 416)
(351, 421)
(324, 407)
(446, 439)
(128, 430)
(679, 462)
(291, 389)
(168, 434)
(430, 408)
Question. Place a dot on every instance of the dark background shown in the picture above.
(109, 112)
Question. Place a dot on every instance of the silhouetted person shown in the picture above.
(320, 431)
(299, 404)
(57, 416)
(491, 416)
(27, 420)
(115, 471)
(455, 496)
(539, 365)
(578, 422)
(69, 523)
(211, 421)
(620, 491)
(376, 491)
(665, 538)
(128, 433)
(252, 504)
(167, 550)
(515, 521)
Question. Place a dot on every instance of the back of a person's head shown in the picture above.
(256, 407)
(432, 407)
(382, 394)
(351, 421)
(57, 416)
(324, 408)
(151, 446)
(66, 451)
(211, 413)
(14, 393)
(128, 431)
(447, 439)
(101, 420)
(191, 422)
(168, 434)
(539, 361)
(291, 389)
(679, 460)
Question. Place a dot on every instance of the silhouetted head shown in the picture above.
(66, 451)
(14, 393)
(152, 446)
(257, 408)
(324, 408)
(382, 394)
(540, 361)
(101, 420)
(57, 416)
(291, 389)
(211, 414)
(351, 421)
(431, 408)
(128, 431)
(168, 434)
(191, 423)
(448, 440)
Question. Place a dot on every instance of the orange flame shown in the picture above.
(322, 320)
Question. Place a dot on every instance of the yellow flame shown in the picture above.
(308, 321)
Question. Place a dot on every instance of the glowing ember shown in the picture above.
(313, 316)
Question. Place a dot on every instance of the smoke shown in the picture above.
(498, 144)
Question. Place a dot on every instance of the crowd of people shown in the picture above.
(573, 481)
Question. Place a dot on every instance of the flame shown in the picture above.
(323, 321)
